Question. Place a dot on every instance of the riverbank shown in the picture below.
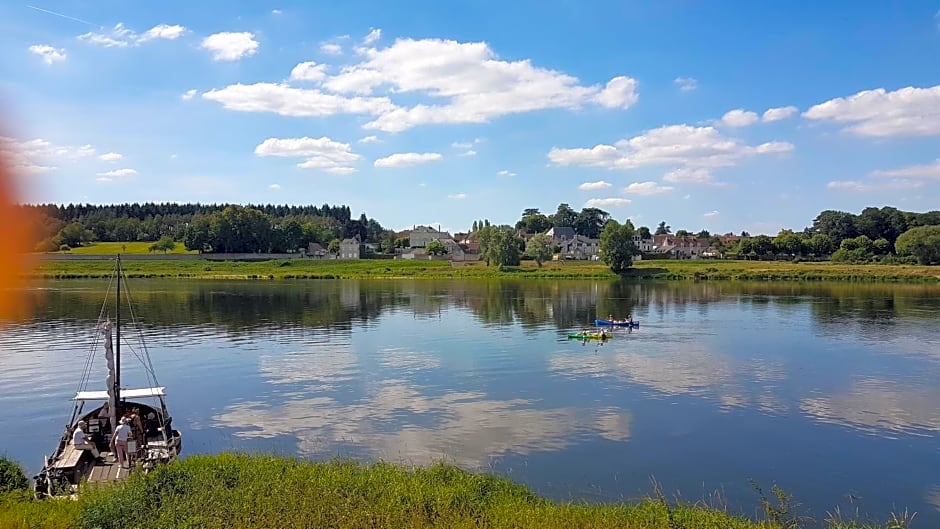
(247, 492)
(407, 269)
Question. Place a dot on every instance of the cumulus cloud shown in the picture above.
(189, 94)
(274, 186)
(48, 54)
(677, 145)
(602, 203)
(318, 153)
(118, 173)
(370, 139)
(647, 188)
(110, 157)
(505, 172)
(407, 159)
(230, 46)
(459, 82)
(330, 48)
(867, 187)
(594, 186)
(458, 196)
(308, 71)
(686, 84)
(121, 36)
(739, 118)
(37, 156)
(930, 170)
(469, 152)
(372, 37)
(689, 176)
(778, 113)
(466, 144)
(276, 11)
(878, 113)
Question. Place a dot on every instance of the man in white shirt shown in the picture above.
(81, 441)
(119, 442)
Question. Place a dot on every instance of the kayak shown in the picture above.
(588, 336)
(608, 323)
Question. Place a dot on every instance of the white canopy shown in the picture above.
(125, 394)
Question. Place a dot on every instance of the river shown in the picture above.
(827, 390)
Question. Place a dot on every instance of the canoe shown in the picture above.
(588, 336)
(608, 323)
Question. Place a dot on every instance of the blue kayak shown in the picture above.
(608, 323)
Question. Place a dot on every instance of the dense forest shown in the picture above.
(204, 227)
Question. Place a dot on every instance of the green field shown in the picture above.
(122, 248)
(390, 269)
(247, 492)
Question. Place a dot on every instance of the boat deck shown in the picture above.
(107, 470)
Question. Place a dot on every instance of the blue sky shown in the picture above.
(726, 116)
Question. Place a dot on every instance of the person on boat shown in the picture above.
(119, 441)
(137, 429)
(629, 318)
(82, 442)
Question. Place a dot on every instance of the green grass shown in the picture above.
(395, 269)
(122, 248)
(246, 492)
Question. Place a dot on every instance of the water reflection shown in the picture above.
(824, 376)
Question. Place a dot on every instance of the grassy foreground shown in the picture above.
(397, 269)
(246, 492)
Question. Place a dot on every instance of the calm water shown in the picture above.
(829, 391)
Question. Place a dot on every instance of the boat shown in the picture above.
(608, 323)
(152, 439)
(589, 336)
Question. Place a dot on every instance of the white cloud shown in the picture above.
(286, 101)
(739, 118)
(230, 46)
(370, 139)
(686, 84)
(274, 186)
(407, 159)
(308, 71)
(48, 53)
(594, 186)
(468, 152)
(189, 94)
(118, 173)
(930, 170)
(778, 113)
(276, 11)
(713, 213)
(110, 157)
(121, 36)
(37, 155)
(620, 92)
(473, 82)
(863, 187)
(647, 188)
(607, 202)
(163, 31)
(686, 175)
(466, 144)
(318, 153)
(372, 37)
(878, 113)
(505, 172)
(458, 196)
(330, 48)
(677, 145)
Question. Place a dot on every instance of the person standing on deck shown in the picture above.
(82, 442)
(119, 441)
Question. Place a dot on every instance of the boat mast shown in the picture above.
(117, 359)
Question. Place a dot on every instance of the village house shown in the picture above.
(644, 245)
(561, 233)
(579, 247)
(316, 251)
(350, 248)
(690, 247)
(420, 236)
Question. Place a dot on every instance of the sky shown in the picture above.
(717, 115)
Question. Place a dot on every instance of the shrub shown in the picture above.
(12, 476)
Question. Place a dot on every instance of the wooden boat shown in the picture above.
(152, 439)
(589, 336)
(608, 323)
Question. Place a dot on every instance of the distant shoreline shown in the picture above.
(156, 266)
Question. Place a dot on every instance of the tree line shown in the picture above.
(208, 228)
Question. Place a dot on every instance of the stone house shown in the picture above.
(350, 248)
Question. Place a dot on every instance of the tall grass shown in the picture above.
(247, 492)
